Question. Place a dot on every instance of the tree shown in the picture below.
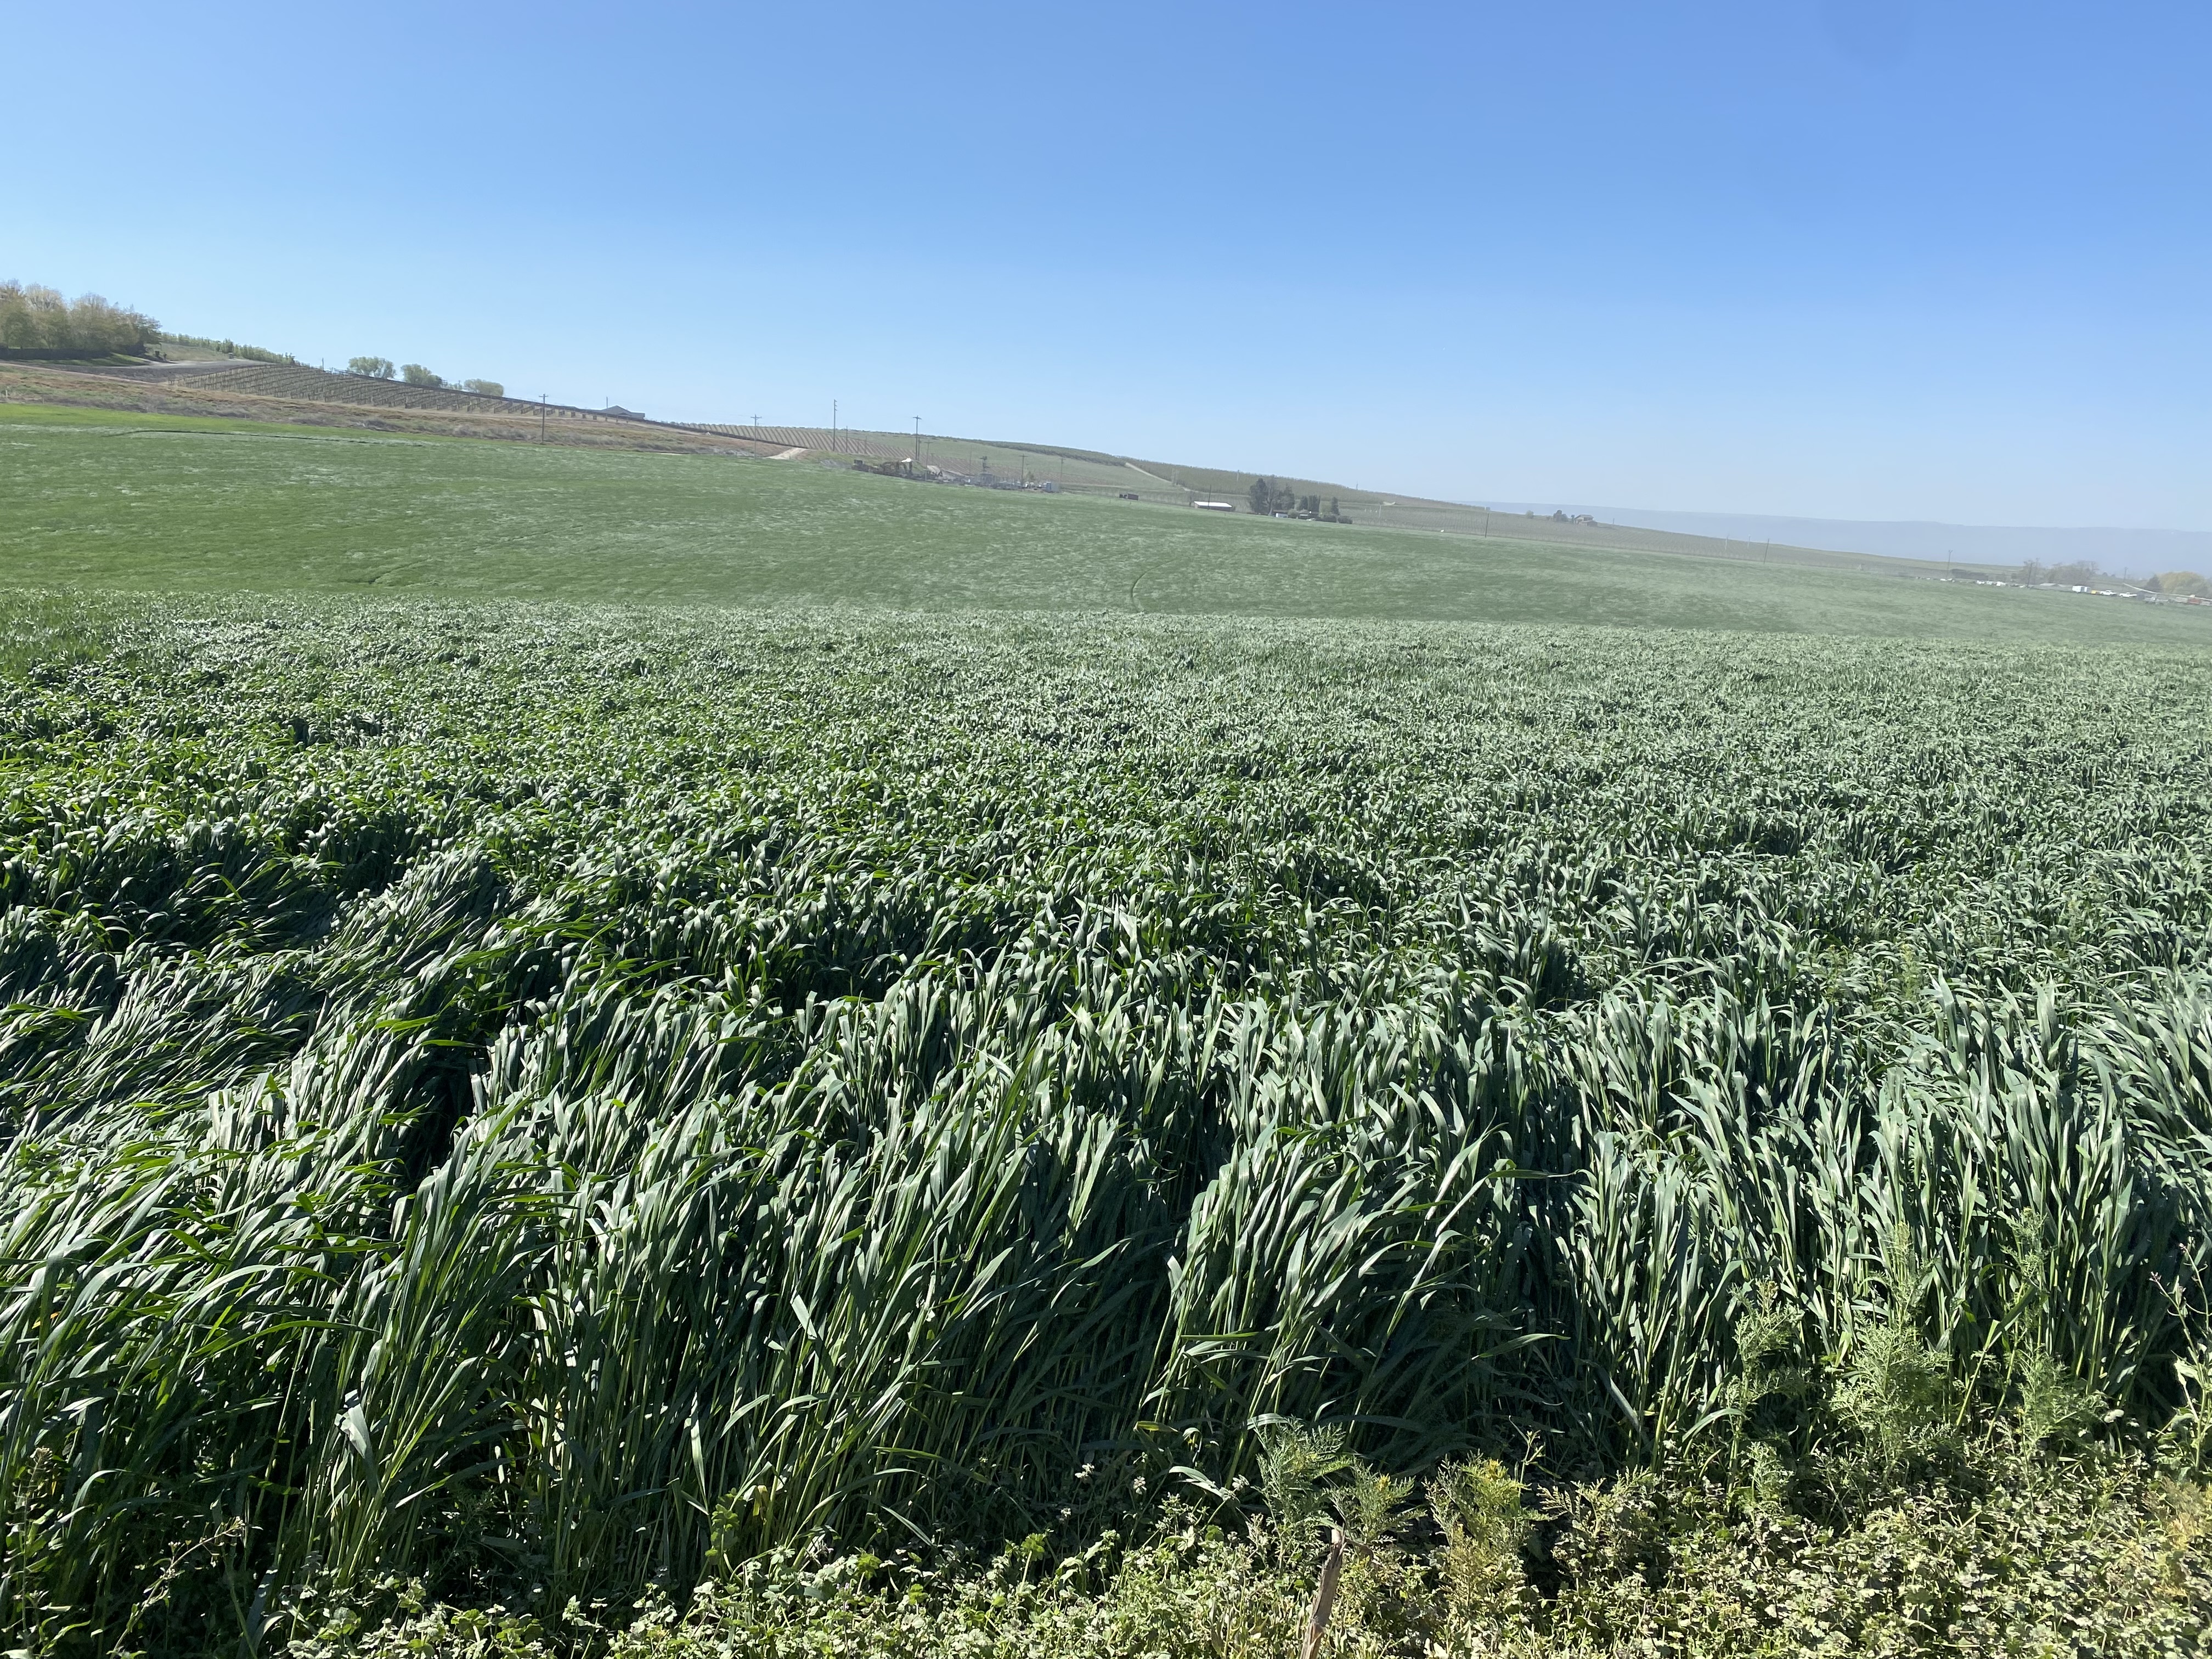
(37, 322)
(484, 388)
(1261, 494)
(97, 328)
(415, 374)
(375, 368)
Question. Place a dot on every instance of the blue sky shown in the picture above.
(1860, 258)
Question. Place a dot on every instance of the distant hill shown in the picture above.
(2125, 551)
(300, 383)
(232, 505)
(1097, 472)
(263, 388)
(294, 395)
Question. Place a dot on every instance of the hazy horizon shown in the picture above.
(2122, 550)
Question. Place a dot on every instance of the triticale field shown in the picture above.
(770, 1123)
(95, 498)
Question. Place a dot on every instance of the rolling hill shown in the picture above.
(121, 499)
(298, 395)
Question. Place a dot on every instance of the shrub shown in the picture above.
(2062, 1557)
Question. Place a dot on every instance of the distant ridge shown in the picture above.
(2124, 551)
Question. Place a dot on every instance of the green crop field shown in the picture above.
(127, 501)
(671, 1055)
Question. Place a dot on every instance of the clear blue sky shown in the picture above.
(1863, 258)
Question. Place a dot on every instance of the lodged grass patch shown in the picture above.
(514, 1114)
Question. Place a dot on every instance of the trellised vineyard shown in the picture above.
(557, 1103)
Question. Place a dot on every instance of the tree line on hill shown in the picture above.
(1269, 497)
(252, 354)
(2085, 572)
(379, 368)
(37, 322)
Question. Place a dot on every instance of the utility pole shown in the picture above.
(917, 441)
(542, 397)
(833, 427)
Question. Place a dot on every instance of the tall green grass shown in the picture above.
(538, 1099)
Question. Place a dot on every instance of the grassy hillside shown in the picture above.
(1170, 484)
(297, 395)
(42, 392)
(117, 500)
